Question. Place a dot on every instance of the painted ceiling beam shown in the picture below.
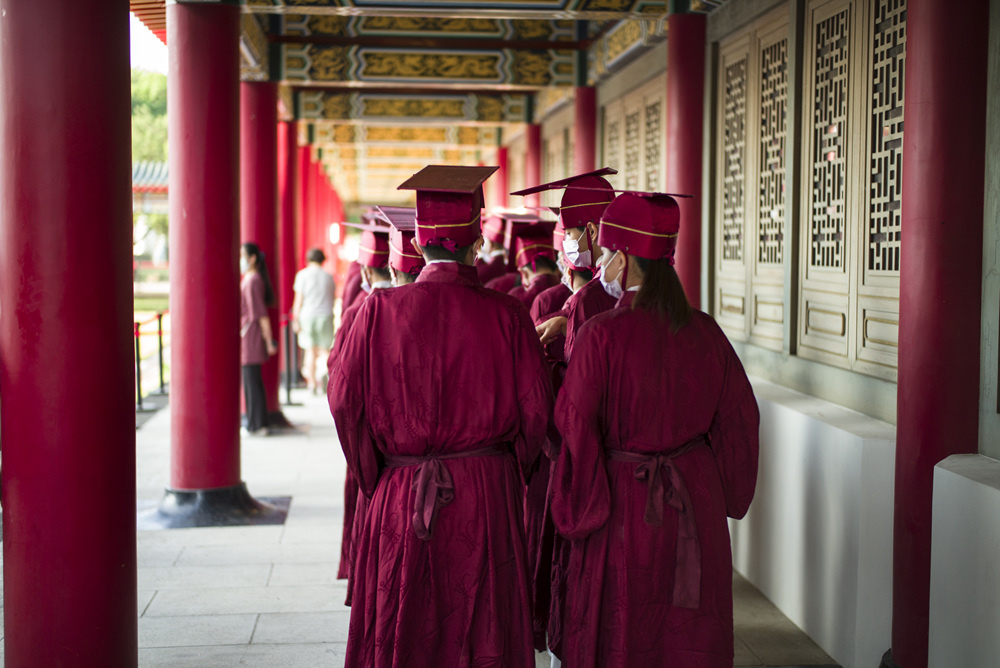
(422, 109)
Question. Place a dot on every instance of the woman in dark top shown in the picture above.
(256, 341)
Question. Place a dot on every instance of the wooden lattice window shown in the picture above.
(653, 144)
(613, 144)
(734, 161)
(771, 155)
(632, 151)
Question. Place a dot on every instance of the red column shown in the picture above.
(287, 192)
(940, 287)
(685, 86)
(259, 207)
(501, 184)
(66, 360)
(585, 130)
(203, 99)
(302, 202)
(533, 162)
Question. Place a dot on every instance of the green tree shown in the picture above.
(149, 116)
(149, 127)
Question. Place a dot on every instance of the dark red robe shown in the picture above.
(352, 287)
(351, 489)
(590, 300)
(505, 282)
(635, 596)
(528, 293)
(538, 527)
(442, 366)
(493, 267)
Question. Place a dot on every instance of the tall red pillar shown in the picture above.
(585, 130)
(302, 202)
(940, 288)
(287, 184)
(501, 181)
(685, 88)
(533, 162)
(203, 113)
(259, 208)
(66, 360)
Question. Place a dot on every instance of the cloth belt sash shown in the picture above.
(433, 485)
(687, 568)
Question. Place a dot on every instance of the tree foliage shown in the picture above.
(149, 116)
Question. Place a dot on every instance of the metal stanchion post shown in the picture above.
(291, 363)
(159, 339)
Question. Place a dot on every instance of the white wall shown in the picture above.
(818, 538)
(965, 554)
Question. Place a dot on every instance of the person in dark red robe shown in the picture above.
(352, 287)
(442, 400)
(534, 257)
(659, 432)
(492, 262)
(373, 258)
(584, 198)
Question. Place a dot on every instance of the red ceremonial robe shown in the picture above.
(588, 301)
(538, 526)
(643, 494)
(505, 282)
(351, 490)
(352, 287)
(443, 366)
(493, 267)
(528, 293)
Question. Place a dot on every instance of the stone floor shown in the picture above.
(268, 595)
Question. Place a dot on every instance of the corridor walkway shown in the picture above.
(268, 595)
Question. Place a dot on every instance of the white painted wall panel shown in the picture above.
(965, 554)
(818, 538)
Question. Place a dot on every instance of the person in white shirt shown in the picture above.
(312, 316)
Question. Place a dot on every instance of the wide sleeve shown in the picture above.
(735, 434)
(581, 501)
(346, 393)
(534, 392)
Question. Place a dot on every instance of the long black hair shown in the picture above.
(662, 291)
(254, 251)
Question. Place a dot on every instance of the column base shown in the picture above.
(887, 661)
(223, 506)
(277, 420)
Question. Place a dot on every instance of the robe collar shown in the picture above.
(449, 272)
(626, 299)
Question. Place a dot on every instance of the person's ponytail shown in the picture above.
(662, 292)
(254, 251)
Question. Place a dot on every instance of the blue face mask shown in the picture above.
(243, 265)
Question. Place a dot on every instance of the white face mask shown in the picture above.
(365, 285)
(613, 288)
(576, 257)
(243, 265)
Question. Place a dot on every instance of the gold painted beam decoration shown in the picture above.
(470, 108)
(254, 61)
(321, 26)
(588, 10)
(311, 64)
(621, 43)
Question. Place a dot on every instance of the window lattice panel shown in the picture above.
(614, 146)
(733, 158)
(828, 220)
(771, 174)
(653, 143)
(632, 151)
(888, 60)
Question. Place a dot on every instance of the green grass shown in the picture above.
(152, 304)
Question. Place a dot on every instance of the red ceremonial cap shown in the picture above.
(449, 204)
(493, 228)
(402, 220)
(373, 251)
(529, 238)
(584, 199)
(642, 224)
